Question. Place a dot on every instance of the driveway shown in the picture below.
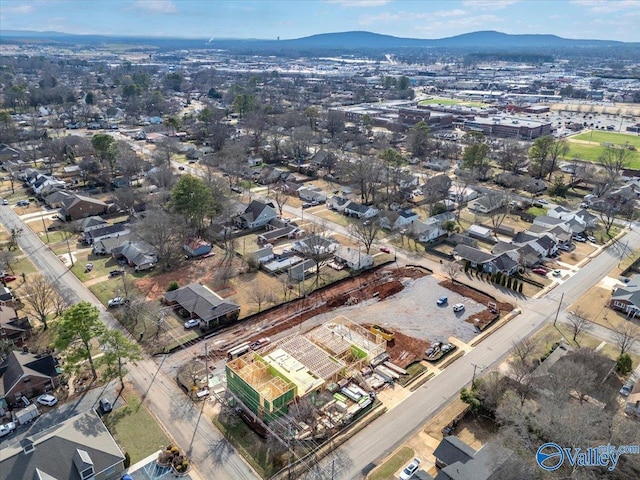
(51, 416)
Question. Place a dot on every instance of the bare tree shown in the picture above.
(364, 232)
(625, 335)
(522, 373)
(260, 294)
(578, 323)
(280, 197)
(453, 270)
(512, 156)
(40, 297)
(8, 258)
(523, 348)
(164, 232)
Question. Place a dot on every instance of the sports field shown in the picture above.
(588, 146)
(450, 101)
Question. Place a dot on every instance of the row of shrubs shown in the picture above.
(498, 278)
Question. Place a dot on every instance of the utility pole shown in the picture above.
(558, 312)
(44, 226)
(473, 378)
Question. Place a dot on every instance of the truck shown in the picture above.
(27, 414)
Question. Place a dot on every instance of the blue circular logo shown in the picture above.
(550, 456)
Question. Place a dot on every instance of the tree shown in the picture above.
(164, 232)
(79, 325)
(335, 123)
(280, 197)
(105, 148)
(392, 161)
(476, 158)
(40, 297)
(559, 188)
(16, 233)
(364, 232)
(578, 323)
(452, 269)
(545, 153)
(260, 294)
(625, 335)
(418, 141)
(191, 198)
(118, 351)
(624, 364)
(523, 348)
(512, 156)
(8, 258)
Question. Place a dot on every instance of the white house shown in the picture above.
(487, 203)
(353, 258)
(398, 219)
(256, 215)
(461, 194)
(427, 232)
(357, 210)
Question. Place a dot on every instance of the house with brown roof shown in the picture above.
(13, 328)
(80, 206)
(24, 374)
(199, 302)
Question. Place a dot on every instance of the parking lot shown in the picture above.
(414, 312)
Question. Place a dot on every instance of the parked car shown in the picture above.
(192, 323)
(385, 249)
(180, 167)
(431, 352)
(542, 201)
(540, 271)
(447, 347)
(626, 388)
(579, 238)
(442, 300)
(116, 302)
(557, 273)
(9, 278)
(458, 307)
(7, 428)
(307, 205)
(591, 238)
(47, 399)
(105, 405)
(236, 189)
(116, 273)
(5, 201)
(566, 247)
(410, 470)
(22, 203)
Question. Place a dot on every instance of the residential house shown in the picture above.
(107, 231)
(106, 245)
(90, 223)
(455, 460)
(461, 194)
(271, 236)
(43, 181)
(357, 210)
(299, 271)
(436, 188)
(196, 247)
(426, 232)
(547, 221)
(138, 254)
(632, 402)
(80, 206)
(398, 220)
(12, 327)
(6, 296)
(204, 304)
(487, 262)
(256, 215)
(315, 245)
(543, 243)
(291, 186)
(79, 448)
(488, 203)
(312, 195)
(323, 159)
(626, 298)
(264, 254)
(337, 203)
(57, 198)
(271, 175)
(24, 374)
(480, 232)
(353, 258)
(8, 153)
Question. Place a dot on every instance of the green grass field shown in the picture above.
(593, 151)
(450, 101)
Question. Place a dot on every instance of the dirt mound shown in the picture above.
(486, 317)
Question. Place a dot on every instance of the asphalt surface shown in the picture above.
(210, 452)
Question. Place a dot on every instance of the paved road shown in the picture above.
(357, 456)
(212, 455)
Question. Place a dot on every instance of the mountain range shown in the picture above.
(339, 41)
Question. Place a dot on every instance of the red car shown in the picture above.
(8, 278)
(385, 249)
(540, 271)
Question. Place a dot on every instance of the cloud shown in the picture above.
(488, 4)
(607, 6)
(361, 3)
(18, 9)
(449, 13)
(156, 6)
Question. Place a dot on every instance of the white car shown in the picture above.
(191, 323)
(458, 307)
(47, 399)
(116, 302)
(410, 470)
(7, 428)
(556, 273)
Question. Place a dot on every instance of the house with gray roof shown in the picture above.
(451, 450)
(80, 448)
(204, 304)
(106, 245)
(357, 210)
(485, 261)
(28, 375)
(107, 231)
(256, 215)
(137, 253)
(626, 298)
(353, 258)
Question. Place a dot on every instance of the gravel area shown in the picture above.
(414, 312)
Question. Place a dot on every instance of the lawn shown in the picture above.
(450, 101)
(135, 429)
(537, 211)
(608, 137)
(593, 151)
(391, 466)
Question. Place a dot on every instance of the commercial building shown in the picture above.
(508, 126)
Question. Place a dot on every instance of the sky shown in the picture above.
(270, 19)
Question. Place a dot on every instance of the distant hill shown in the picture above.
(356, 40)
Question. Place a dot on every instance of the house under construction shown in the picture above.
(269, 379)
